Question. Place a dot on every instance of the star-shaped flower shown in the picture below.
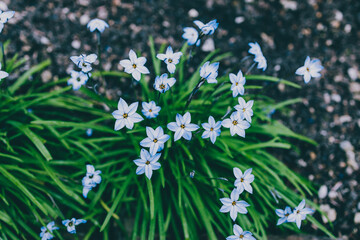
(239, 234)
(163, 83)
(299, 214)
(135, 66)
(78, 79)
(244, 109)
(182, 127)
(97, 24)
(207, 29)
(126, 115)
(46, 232)
(170, 58)
(310, 69)
(237, 124)
(3, 74)
(70, 224)
(209, 71)
(212, 129)
(4, 17)
(283, 214)
(155, 139)
(84, 61)
(237, 83)
(147, 163)
(150, 110)
(233, 205)
(259, 57)
(243, 181)
(91, 179)
(191, 35)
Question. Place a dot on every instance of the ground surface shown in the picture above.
(288, 31)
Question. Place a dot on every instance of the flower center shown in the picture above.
(125, 115)
(155, 140)
(242, 180)
(84, 64)
(241, 236)
(236, 84)
(170, 60)
(91, 176)
(308, 69)
(211, 129)
(286, 215)
(70, 224)
(233, 203)
(182, 126)
(244, 109)
(162, 86)
(134, 65)
(234, 122)
(147, 162)
(298, 211)
(150, 110)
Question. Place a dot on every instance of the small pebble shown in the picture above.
(239, 19)
(193, 13)
(323, 191)
(208, 45)
(353, 73)
(357, 217)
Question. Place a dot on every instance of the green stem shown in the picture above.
(151, 198)
(194, 91)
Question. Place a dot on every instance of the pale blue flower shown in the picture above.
(207, 29)
(243, 181)
(191, 35)
(239, 234)
(134, 65)
(212, 129)
(163, 83)
(84, 61)
(209, 71)
(259, 57)
(155, 139)
(283, 214)
(3, 74)
(147, 163)
(89, 132)
(310, 69)
(150, 110)
(70, 224)
(237, 83)
(46, 232)
(97, 24)
(78, 79)
(244, 109)
(126, 115)
(299, 214)
(182, 127)
(91, 179)
(233, 205)
(170, 58)
(236, 123)
(4, 18)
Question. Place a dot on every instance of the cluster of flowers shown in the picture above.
(297, 215)
(47, 232)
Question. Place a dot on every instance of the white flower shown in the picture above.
(182, 127)
(163, 83)
(78, 79)
(70, 224)
(310, 69)
(239, 234)
(4, 17)
(97, 24)
(126, 115)
(209, 71)
(191, 35)
(244, 109)
(212, 129)
(150, 110)
(84, 62)
(238, 81)
(300, 213)
(147, 163)
(135, 66)
(46, 232)
(2, 73)
(170, 58)
(243, 181)
(259, 57)
(91, 179)
(207, 29)
(283, 214)
(155, 139)
(233, 205)
(236, 123)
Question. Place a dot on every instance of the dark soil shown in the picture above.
(288, 31)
